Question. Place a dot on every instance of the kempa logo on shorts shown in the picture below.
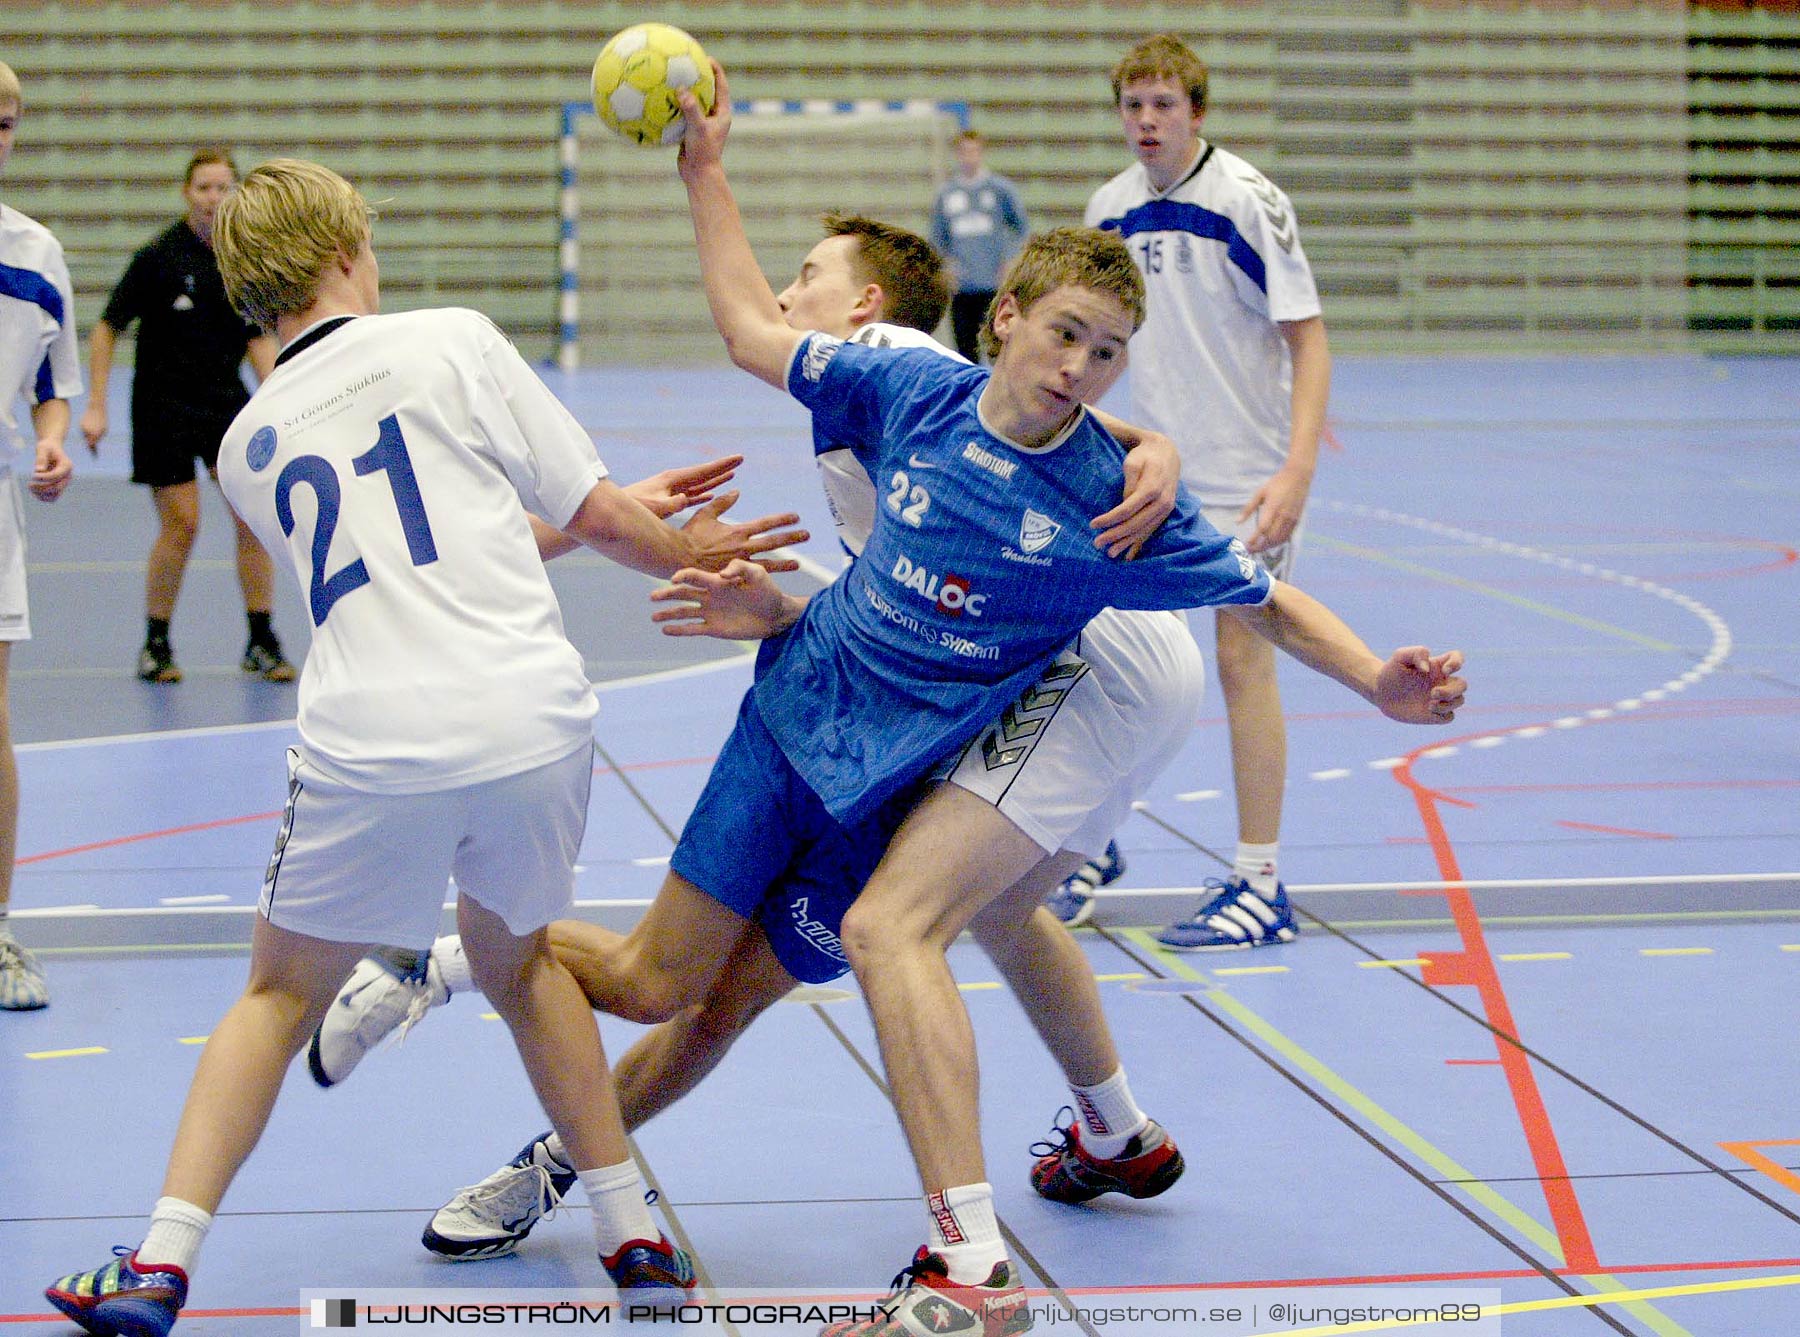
(819, 353)
(1246, 564)
(1037, 532)
(949, 592)
(816, 932)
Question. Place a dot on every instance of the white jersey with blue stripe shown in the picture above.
(39, 359)
(980, 568)
(1222, 264)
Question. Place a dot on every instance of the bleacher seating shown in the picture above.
(1468, 174)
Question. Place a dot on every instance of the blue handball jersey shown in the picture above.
(980, 569)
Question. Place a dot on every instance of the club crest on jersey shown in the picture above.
(1037, 532)
(261, 448)
(819, 352)
(950, 593)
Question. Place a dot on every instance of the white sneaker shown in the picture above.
(374, 1002)
(22, 986)
(487, 1220)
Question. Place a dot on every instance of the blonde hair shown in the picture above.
(1081, 257)
(9, 87)
(276, 233)
(1163, 56)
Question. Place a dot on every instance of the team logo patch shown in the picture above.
(819, 352)
(1037, 532)
(261, 448)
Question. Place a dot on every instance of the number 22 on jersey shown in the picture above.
(387, 457)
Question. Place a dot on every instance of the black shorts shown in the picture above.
(164, 452)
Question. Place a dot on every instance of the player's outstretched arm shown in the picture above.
(740, 603)
(1412, 685)
(743, 305)
(615, 524)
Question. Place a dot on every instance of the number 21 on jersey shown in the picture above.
(387, 457)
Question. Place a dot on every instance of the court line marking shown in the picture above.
(1453, 1176)
(68, 1053)
(1748, 1153)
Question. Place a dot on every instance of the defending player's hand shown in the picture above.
(703, 136)
(1418, 687)
(715, 543)
(1152, 475)
(51, 474)
(674, 490)
(1277, 506)
(740, 603)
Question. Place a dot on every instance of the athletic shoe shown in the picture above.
(641, 1266)
(1068, 1172)
(489, 1219)
(268, 661)
(1073, 901)
(119, 1301)
(375, 1001)
(22, 987)
(156, 662)
(925, 1302)
(1237, 916)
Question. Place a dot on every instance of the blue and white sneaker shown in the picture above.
(1073, 902)
(489, 1219)
(1236, 917)
(22, 987)
(119, 1301)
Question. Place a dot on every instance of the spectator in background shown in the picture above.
(978, 225)
(39, 362)
(186, 390)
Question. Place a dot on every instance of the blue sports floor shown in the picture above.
(1600, 857)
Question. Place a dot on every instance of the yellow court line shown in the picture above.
(68, 1053)
(1675, 951)
(984, 984)
(1536, 956)
(193, 1039)
(1138, 975)
(1560, 1302)
(490, 1016)
(1790, 946)
(1252, 970)
(1390, 965)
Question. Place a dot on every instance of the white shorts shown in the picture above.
(352, 866)
(15, 612)
(1278, 562)
(1065, 761)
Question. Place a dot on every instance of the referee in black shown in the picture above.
(185, 391)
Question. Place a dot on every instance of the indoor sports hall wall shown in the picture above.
(1468, 175)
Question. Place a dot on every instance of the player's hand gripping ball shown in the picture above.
(638, 76)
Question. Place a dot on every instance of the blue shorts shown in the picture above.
(761, 843)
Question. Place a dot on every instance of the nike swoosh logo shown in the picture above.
(918, 463)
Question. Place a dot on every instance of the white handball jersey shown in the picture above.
(388, 457)
(1221, 258)
(38, 355)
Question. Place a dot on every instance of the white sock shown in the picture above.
(453, 965)
(615, 1195)
(964, 1232)
(1256, 865)
(1109, 1116)
(177, 1230)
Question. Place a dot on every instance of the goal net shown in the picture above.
(630, 284)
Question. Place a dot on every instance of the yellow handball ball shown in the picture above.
(637, 76)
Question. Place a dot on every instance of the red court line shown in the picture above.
(1615, 830)
(1620, 786)
(1475, 965)
(117, 841)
